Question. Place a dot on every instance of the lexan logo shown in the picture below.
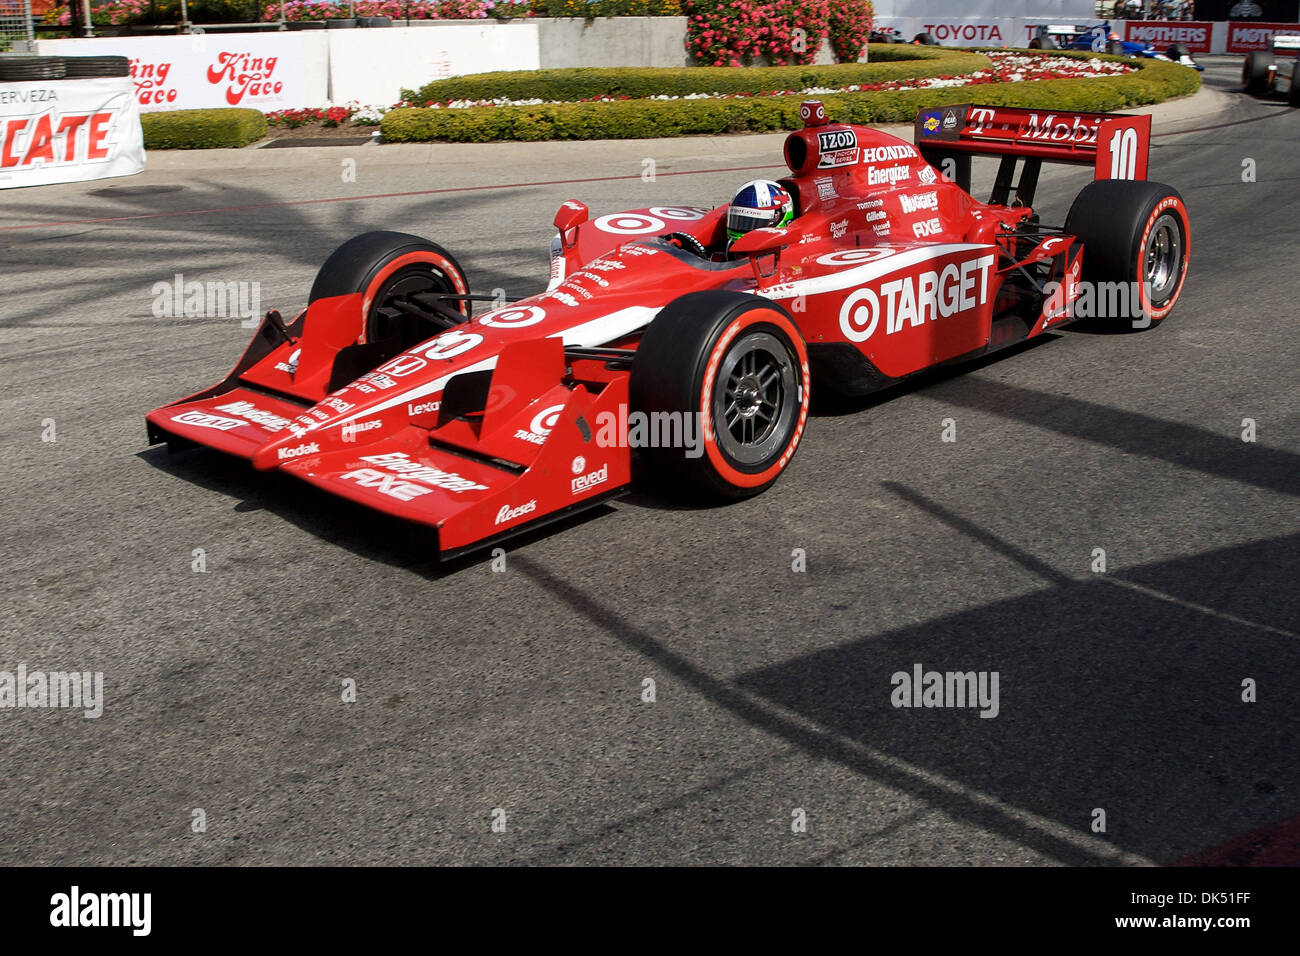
(510, 514)
(308, 449)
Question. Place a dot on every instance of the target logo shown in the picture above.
(853, 257)
(545, 420)
(540, 426)
(859, 315)
(514, 318)
(812, 112)
(679, 213)
(629, 224)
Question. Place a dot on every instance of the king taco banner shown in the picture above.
(68, 131)
(260, 71)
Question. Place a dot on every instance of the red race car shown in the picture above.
(692, 335)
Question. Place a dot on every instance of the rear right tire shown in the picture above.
(1256, 78)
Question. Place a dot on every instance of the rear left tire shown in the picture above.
(1133, 232)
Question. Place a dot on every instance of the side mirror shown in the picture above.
(568, 218)
(763, 246)
(767, 239)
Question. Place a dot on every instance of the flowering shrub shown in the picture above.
(589, 9)
(395, 9)
(330, 116)
(849, 27)
(1105, 86)
(733, 32)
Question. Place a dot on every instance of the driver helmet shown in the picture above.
(759, 203)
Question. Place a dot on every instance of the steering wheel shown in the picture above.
(686, 241)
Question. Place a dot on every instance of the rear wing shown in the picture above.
(1116, 145)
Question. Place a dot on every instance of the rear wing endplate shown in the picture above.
(1116, 145)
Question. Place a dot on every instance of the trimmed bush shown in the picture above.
(1153, 81)
(202, 129)
(892, 62)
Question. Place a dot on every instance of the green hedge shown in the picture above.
(202, 129)
(892, 62)
(1155, 80)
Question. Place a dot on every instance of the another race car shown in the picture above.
(1100, 38)
(1267, 72)
(693, 336)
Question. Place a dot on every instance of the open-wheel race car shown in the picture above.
(1273, 71)
(1100, 38)
(692, 336)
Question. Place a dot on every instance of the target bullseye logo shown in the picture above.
(629, 224)
(640, 224)
(679, 213)
(859, 315)
(853, 257)
(514, 318)
(545, 420)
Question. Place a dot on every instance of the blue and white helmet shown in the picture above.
(759, 203)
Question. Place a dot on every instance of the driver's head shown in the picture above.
(758, 203)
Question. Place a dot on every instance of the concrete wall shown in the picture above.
(619, 41)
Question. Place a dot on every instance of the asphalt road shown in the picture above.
(522, 690)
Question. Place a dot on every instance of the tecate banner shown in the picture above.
(68, 131)
(1244, 37)
(1162, 34)
(260, 71)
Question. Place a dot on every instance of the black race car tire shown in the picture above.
(925, 40)
(1177, 51)
(17, 69)
(389, 266)
(94, 66)
(1115, 48)
(1256, 79)
(1134, 232)
(1293, 94)
(708, 354)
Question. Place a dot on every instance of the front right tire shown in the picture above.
(733, 371)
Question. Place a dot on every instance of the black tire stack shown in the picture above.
(21, 69)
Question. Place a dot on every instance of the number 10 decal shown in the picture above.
(1123, 154)
(1125, 140)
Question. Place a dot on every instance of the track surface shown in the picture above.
(522, 690)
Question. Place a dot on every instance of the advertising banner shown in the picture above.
(1193, 34)
(1244, 37)
(263, 71)
(67, 131)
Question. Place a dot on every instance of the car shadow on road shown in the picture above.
(1123, 692)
